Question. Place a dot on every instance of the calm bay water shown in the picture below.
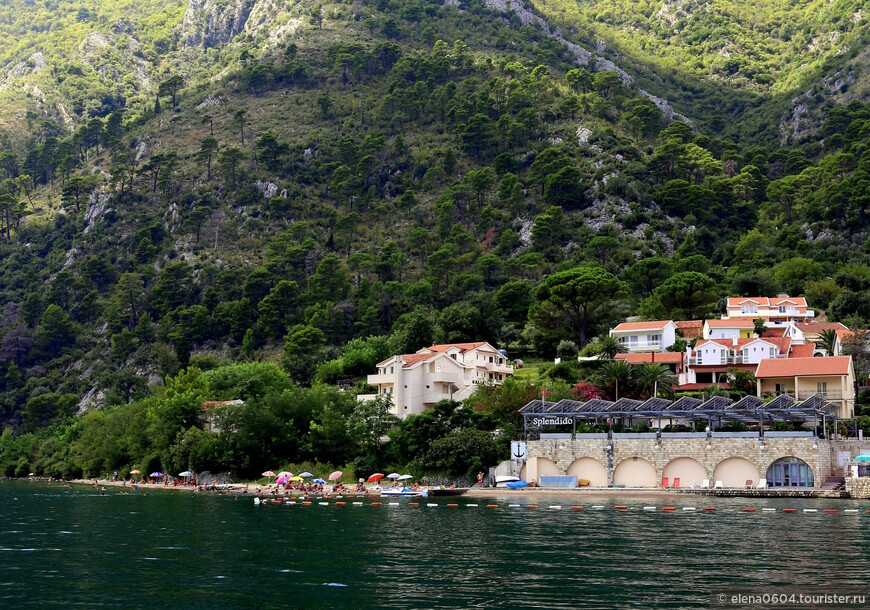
(74, 547)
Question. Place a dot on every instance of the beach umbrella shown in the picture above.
(319, 481)
(186, 473)
(280, 480)
(393, 475)
(284, 473)
(376, 477)
(135, 472)
(405, 477)
(306, 475)
(296, 479)
(156, 474)
(335, 475)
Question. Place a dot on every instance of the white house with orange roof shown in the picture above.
(832, 377)
(710, 358)
(452, 371)
(656, 336)
(728, 329)
(773, 310)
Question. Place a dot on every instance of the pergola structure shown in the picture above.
(716, 410)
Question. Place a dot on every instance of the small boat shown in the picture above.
(403, 492)
(456, 491)
(516, 484)
(503, 480)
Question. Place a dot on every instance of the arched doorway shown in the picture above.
(735, 471)
(590, 469)
(538, 467)
(689, 471)
(790, 472)
(635, 472)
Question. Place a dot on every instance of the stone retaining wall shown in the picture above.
(563, 452)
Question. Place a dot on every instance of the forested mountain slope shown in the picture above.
(323, 185)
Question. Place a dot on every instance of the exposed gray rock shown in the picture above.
(210, 23)
(270, 189)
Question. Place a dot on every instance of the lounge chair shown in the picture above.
(748, 484)
(718, 485)
(705, 484)
(664, 482)
(676, 483)
(762, 484)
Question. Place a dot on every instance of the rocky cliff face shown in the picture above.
(210, 23)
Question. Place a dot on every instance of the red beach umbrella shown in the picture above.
(376, 477)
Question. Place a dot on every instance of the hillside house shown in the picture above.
(655, 336)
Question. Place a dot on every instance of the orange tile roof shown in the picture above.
(774, 332)
(409, 359)
(781, 343)
(730, 323)
(767, 301)
(463, 347)
(688, 387)
(663, 357)
(804, 367)
(802, 351)
(629, 326)
(689, 323)
(820, 327)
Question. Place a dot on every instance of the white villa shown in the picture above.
(775, 311)
(655, 336)
(451, 371)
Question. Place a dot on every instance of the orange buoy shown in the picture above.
(748, 510)
(533, 506)
(377, 503)
(452, 506)
(341, 503)
(576, 508)
(669, 509)
(414, 504)
(306, 503)
(830, 510)
(492, 505)
(620, 507)
(789, 510)
(709, 509)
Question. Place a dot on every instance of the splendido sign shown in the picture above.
(552, 421)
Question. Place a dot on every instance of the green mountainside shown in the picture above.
(207, 185)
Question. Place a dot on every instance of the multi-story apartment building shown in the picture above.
(774, 311)
(655, 336)
(453, 371)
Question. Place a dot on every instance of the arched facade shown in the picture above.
(538, 467)
(590, 469)
(735, 471)
(688, 470)
(635, 472)
(790, 471)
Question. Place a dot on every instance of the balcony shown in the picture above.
(729, 361)
(444, 377)
(638, 346)
(804, 394)
(379, 379)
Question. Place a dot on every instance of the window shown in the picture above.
(723, 356)
(453, 356)
(773, 352)
(633, 340)
(822, 388)
(391, 370)
(746, 354)
(780, 388)
(749, 309)
(782, 309)
(427, 387)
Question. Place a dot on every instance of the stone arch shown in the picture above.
(735, 471)
(590, 469)
(538, 467)
(689, 470)
(635, 472)
(790, 471)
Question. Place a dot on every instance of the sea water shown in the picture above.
(165, 549)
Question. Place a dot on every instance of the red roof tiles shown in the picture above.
(804, 367)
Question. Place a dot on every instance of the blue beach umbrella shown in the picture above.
(305, 474)
(319, 481)
(156, 474)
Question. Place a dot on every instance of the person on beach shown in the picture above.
(480, 479)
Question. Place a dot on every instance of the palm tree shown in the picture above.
(829, 340)
(714, 390)
(652, 379)
(608, 347)
(614, 377)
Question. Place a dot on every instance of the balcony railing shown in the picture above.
(641, 344)
(804, 394)
(695, 361)
(379, 379)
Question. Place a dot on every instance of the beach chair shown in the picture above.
(664, 482)
(748, 484)
(718, 485)
(762, 484)
(676, 483)
(705, 484)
